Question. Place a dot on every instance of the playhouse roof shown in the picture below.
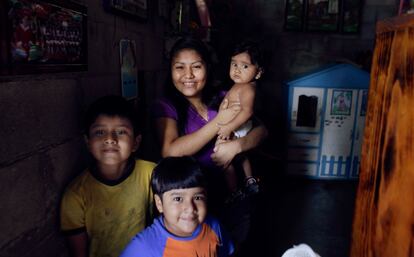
(341, 75)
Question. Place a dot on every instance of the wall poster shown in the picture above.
(294, 15)
(323, 15)
(128, 62)
(351, 16)
(334, 16)
(44, 36)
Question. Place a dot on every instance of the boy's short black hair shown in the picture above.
(252, 49)
(111, 105)
(177, 173)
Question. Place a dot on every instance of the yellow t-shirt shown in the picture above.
(111, 215)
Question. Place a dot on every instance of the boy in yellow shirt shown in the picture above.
(106, 205)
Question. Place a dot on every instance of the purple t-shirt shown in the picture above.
(165, 109)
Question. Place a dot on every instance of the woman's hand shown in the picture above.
(224, 153)
(227, 112)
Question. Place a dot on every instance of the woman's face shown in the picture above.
(189, 73)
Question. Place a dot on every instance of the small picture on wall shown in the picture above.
(294, 15)
(132, 8)
(323, 15)
(351, 16)
(128, 61)
(341, 102)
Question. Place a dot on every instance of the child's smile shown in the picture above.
(183, 210)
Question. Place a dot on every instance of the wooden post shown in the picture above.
(384, 211)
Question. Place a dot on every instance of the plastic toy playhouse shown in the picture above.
(326, 116)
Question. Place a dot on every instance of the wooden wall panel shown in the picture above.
(384, 211)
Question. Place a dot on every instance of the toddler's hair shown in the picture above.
(112, 106)
(252, 49)
(177, 173)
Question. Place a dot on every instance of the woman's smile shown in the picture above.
(188, 73)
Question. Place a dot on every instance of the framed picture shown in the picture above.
(334, 16)
(43, 36)
(351, 16)
(322, 15)
(294, 15)
(132, 8)
(128, 62)
(341, 102)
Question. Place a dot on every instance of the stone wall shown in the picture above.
(43, 148)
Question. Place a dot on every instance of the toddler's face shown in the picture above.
(183, 209)
(111, 140)
(242, 70)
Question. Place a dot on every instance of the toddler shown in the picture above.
(245, 69)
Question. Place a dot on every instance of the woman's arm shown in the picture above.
(172, 144)
(225, 152)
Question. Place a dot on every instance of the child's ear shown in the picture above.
(158, 203)
(137, 143)
(259, 74)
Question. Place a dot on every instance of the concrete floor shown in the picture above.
(290, 211)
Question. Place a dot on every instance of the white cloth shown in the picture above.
(243, 129)
(302, 250)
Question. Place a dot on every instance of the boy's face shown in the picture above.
(242, 70)
(183, 209)
(111, 140)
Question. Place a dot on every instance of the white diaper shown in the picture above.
(243, 129)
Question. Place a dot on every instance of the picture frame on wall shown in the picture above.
(43, 36)
(294, 15)
(329, 16)
(322, 15)
(351, 16)
(132, 8)
(341, 102)
(128, 63)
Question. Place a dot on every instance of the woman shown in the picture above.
(187, 122)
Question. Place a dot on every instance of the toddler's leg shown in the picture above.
(231, 178)
(247, 168)
(251, 185)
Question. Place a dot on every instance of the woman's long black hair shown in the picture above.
(209, 95)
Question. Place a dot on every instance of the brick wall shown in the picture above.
(43, 146)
